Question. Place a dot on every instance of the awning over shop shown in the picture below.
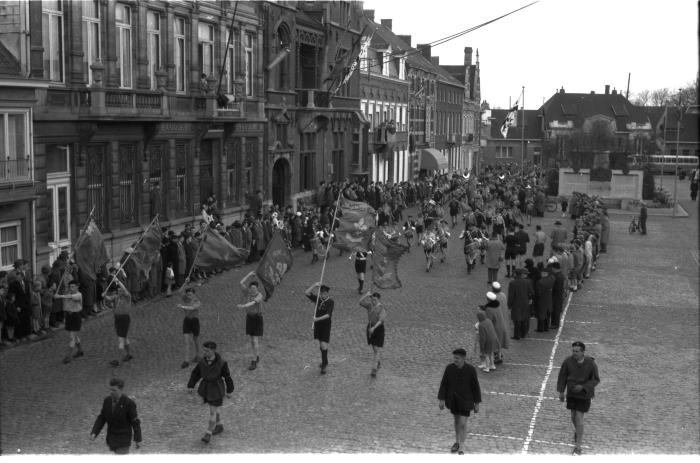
(432, 159)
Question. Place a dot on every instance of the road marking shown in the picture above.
(554, 340)
(526, 365)
(550, 367)
(512, 394)
(695, 256)
(496, 436)
(585, 323)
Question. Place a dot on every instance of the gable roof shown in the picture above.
(579, 106)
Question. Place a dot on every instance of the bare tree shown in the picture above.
(642, 98)
(660, 97)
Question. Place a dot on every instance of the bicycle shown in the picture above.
(635, 225)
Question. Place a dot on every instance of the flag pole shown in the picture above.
(330, 238)
(196, 254)
(72, 253)
(675, 177)
(131, 253)
(522, 138)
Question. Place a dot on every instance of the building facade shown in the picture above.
(523, 142)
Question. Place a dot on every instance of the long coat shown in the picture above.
(494, 249)
(558, 292)
(494, 313)
(543, 291)
(519, 294)
(459, 387)
(488, 339)
(120, 422)
(604, 230)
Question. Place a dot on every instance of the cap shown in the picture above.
(552, 260)
(491, 296)
(299, 213)
(557, 223)
(325, 288)
(496, 285)
(210, 345)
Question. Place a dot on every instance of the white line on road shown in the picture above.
(526, 365)
(554, 340)
(585, 323)
(547, 442)
(695, 256)
(550, 365)
(512, 394)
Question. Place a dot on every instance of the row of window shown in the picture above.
(156, 41)
(377, 112)
(448, 96)
(448, 123)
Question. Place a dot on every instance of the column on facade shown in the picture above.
(194, 56)
(140, 42)
(112, 205)
(74, 71)
(169, 154)
(196, 148)
(109, 48)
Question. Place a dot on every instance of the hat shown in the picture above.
(325, 288)
(495, 285)
(210, 345)
(557, 223)
(553, 260)
(298, 214)
(491, 296)
(521, 271)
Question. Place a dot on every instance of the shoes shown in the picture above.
(184, 364)
(373, 374)
(482, 366)
(460, 453)
(485, 370)
(66, 360)
(80, 353)
(455, 447)
(498, 361)
(206, 438)
(323, 369)
(492, 369)
(576, 451)
(127, 357)
(218, 429)
(253, 365)
(114, 363)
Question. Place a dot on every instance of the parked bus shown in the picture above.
(659, 163)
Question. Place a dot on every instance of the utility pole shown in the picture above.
(522, 138)
(678, 136)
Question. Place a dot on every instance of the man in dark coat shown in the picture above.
(461, 393)
(557, 293)
(520, 292)
(543, 298)
(20, 285)
(216, 382)
(119, 413)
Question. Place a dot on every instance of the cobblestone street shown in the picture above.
(638, 315)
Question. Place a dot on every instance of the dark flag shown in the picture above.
(355, 225)
(275, 263)
(90, 250)
(216, 251)
(144, 255)
(343, 65)
(509, 120)
(387, 252)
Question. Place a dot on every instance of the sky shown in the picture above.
(580, 45)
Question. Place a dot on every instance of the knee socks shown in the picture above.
(324, 357)
(361, 282)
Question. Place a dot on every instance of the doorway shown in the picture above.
(281, 180)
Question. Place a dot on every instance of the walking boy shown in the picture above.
(119, 413)
(322, 319)
(254, 316)
(190, 325)
(73, 306)
(376, 315)
(214, 374)
(120, 299)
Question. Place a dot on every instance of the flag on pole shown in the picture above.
(356, 223)
(364, 45)
(275, 263)
(661, 126)
(387, 252)
(216, 251)
(144, 254)
(341, 69)
(90, 250)
(509, 120)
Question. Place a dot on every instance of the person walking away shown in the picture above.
(538, 249)
(558, 293)
(578, 377)
(494, 256)
(488, 342)
(520, 292)
(214, 378)
(495, 314)
(254, 315)
(119, 298)
(643, 218)
(360, 269)
(604, 232)
(523, 239)
(543, 297)
(512, 248)
(123, 423)
(190, 325)
(460, 393)
(322, 319)
(376, 316)
(73, 306)
(557, 235)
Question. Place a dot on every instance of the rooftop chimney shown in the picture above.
(607, 89)
(405, 38)
(467, 56)
(435, 60)
(614, 92)
(425, 50)
(369, 14)
(561, 90)
(386, 23)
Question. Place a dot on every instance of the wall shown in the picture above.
(621, 186)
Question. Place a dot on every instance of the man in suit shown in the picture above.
(19, 284)
(520, 293)
(119, 412)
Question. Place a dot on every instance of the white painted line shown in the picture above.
(554, 340)
(585, 323)
(526, 365)
(558, 443)
(550, 365)
(495, 436)
(512, 394)
(695, 256)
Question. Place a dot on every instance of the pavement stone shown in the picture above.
(638, 312)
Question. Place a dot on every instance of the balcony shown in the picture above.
(312, 98)
(15, 170)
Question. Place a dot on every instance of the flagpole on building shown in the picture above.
(72, 253)
(330, 238)
(678, 136)
(661, 176)
(522, 137)
(114, 277)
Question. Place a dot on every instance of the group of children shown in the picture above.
(40, 306)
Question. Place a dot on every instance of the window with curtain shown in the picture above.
(249, 64)
(14, 145)
(96, 174)
(52, 37)
(127, 183)
(123, 41)
(10, 244)
(180, 51)
(153, 33)
(92, 47)
(206, 49)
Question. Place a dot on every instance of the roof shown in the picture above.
(533, 127)
(9, 65)
(580, 106)
(690, 132)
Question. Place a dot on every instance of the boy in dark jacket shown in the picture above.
(119, 413)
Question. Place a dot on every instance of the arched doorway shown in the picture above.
(281, 176)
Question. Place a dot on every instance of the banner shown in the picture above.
(216, 251)
(509, 121)
(345, 63)
(90, 250)
(362, 56)
(275, 263)
(355, 225)
(144, 255)
(387, 252)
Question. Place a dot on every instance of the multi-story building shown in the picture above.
(315, 130)
(147, 108)
(448, 115)
(22, 173)
(523, 141)
(384, 91)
